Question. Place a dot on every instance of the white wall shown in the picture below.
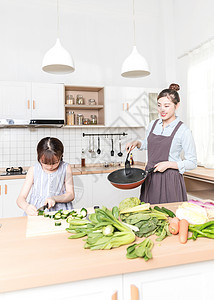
(98, 34)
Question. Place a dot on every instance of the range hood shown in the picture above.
(31, 123)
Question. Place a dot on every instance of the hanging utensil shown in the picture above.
(112, 145)
(89, 145)
(98, 149)
(120, 153)
(93, 153)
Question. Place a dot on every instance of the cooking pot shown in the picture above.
(128, 178)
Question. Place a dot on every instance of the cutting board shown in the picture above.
(39, 225)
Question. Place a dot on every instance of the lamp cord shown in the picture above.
(57, 18)
(134, 23)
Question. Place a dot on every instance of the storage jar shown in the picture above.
(70, 118)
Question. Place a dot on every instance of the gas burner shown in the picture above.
(14, 171)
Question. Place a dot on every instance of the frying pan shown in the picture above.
(128, 178)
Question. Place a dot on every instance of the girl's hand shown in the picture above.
(31, 210)
(130, 146)
(164, 165)
(50, 202)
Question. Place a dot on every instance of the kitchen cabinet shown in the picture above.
(96, 93)
(83, 191)
(25, 100)
(104, 193)
(173, 282)
(126, 106)
(96, 289)
(9, 191)
(95, 189)
(47, 101)
(130, 106)
(15, 100)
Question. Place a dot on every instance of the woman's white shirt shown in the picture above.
(182, 142)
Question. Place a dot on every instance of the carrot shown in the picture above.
(183, 231)
(174, 225)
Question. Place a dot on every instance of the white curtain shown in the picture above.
(201, 102)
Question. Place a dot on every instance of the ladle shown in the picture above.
(120, 153)
(98, 150)
(112, 145)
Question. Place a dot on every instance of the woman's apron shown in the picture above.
(167, 186)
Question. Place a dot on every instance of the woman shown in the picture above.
(50, 179)
(166, 138)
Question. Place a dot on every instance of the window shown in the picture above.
(201, 102)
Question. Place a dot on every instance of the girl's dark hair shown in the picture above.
(48, 149)
(171, 93)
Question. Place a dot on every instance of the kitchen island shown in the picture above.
(43, 265)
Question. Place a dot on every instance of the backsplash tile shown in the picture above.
(18, 145)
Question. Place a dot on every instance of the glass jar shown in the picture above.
(79, 100)
(79, 119)
(69, 99)
(93, 119)
(70, 118)
(86, 121)
(91, 101)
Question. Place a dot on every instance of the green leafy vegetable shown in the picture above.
(128, 203)
(142, 249)
(103, 231)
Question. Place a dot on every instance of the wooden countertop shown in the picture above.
(200, 172)
(78, 170)
(54, 259)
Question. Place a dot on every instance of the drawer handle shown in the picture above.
(114, 296)
(134, 292)
(5, 189)
(28, 104)
(34, 104)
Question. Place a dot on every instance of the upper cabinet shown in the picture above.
(24, 100)
(15, 100)
(126, 106)
(47, 101)
(84, 106)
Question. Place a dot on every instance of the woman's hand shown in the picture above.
(164, 165)
(31, 210)
(130, 146)
(50, 202)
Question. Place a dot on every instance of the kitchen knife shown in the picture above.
(43, 207)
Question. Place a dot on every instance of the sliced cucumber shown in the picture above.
(64, 216)
(46, 215)
(83, 212)
(65, 212)
(79, 216)
(58, 223)
(57, 216)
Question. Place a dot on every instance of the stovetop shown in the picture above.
(13, 171)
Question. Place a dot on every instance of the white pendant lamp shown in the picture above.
(135, 65)
(57, 60)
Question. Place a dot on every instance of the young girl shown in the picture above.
(166, 138)
(50, 179)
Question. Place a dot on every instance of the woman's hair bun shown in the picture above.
(174, 86)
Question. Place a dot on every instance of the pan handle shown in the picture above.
(150, 170)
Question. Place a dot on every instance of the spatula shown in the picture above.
(127, 166)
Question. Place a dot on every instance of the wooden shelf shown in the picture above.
(92, 107)
(83, 126)
(87, 110)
